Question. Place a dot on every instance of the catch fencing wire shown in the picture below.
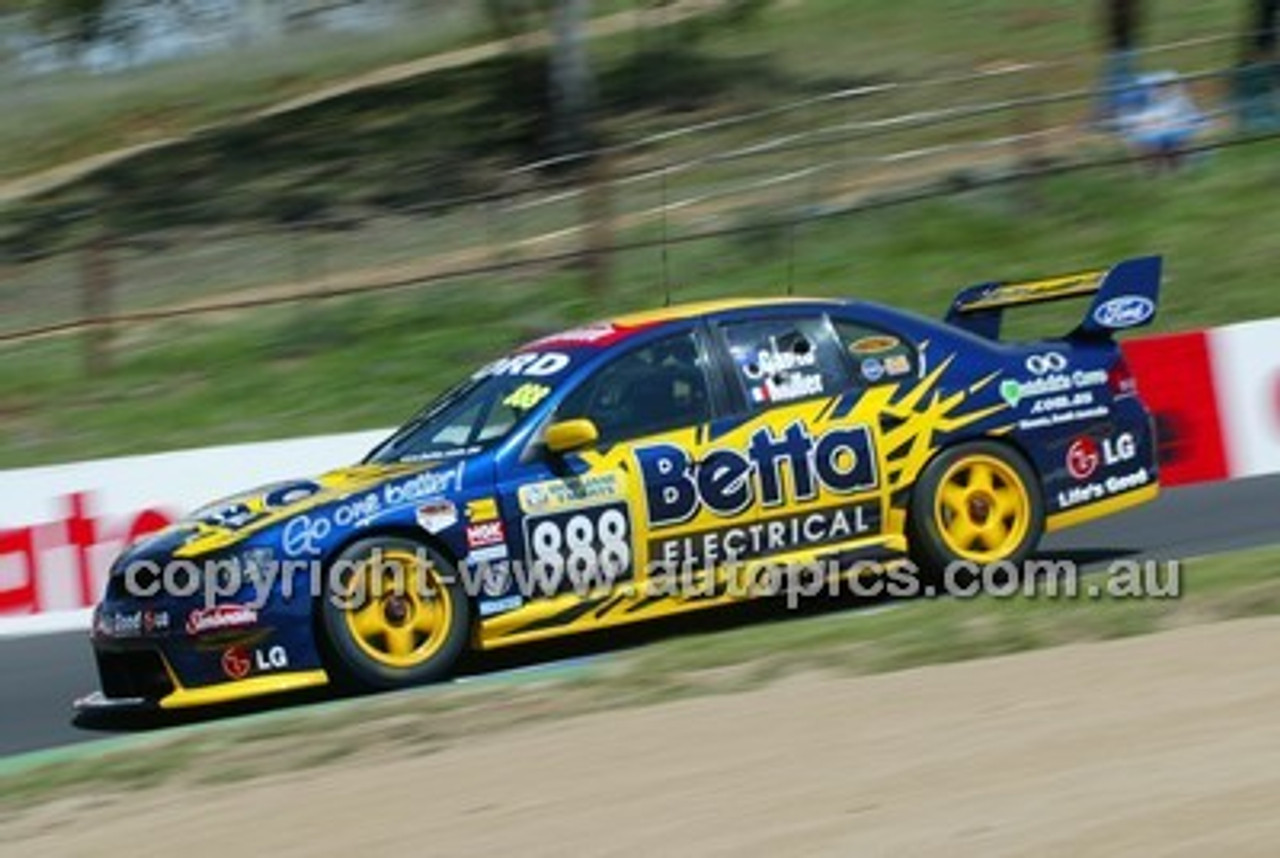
(880, 204)
(565, 188)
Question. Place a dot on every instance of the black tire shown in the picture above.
(935, 527)
(361, 659)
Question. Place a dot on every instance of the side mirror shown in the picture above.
(569, 435)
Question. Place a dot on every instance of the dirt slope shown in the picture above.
(1161, 745)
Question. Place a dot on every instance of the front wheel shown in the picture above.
(978, 502)
(399, 618)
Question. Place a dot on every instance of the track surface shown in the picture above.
(42, 675)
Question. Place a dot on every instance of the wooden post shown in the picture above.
(96, 287)
(597, 212)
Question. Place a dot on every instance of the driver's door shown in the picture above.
(580, 522)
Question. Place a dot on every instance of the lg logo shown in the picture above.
(1083, 458)
(1085, 455)
(238, 662)
(1046, 363)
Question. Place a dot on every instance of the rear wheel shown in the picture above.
(979, 502)
(399, 616)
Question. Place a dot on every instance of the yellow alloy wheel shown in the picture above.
(400, 612)
(982, 509)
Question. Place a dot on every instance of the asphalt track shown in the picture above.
(41, 675)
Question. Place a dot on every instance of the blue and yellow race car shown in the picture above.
(639, 468)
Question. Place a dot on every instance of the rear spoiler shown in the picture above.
(1124, 296)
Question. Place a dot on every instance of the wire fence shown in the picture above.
(828, 165)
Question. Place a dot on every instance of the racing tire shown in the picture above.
(978, 502)
(398, 617)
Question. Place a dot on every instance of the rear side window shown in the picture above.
(878, 357)
(785, 359)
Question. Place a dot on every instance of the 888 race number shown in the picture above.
(582, 547)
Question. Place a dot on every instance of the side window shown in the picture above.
(879, 357)
(655, 388)
(786, 359)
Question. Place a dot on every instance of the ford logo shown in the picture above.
(1127, 311)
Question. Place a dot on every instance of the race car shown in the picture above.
(591, 477)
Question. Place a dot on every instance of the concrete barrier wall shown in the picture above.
(1215, 393)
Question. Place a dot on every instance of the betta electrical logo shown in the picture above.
(728, 481)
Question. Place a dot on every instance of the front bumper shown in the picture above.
(142, 681)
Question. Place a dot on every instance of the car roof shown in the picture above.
(697, 309)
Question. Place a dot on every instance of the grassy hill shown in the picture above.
(368, 361)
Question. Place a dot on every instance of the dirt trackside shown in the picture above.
(1164, 744)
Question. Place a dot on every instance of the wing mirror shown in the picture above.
(569, 435)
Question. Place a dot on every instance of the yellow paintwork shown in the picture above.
(569, 435)
(1098, 509)
(227, 692)
(335, 484)
(1031, 291)
(700, 308)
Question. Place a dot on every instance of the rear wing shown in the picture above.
(1124, 296)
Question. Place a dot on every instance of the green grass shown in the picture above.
(368, 362)
(916, 633)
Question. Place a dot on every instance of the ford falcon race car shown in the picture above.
(589, 478)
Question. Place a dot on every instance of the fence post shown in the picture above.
(95, 294)
(597, 210)
(1028, 123)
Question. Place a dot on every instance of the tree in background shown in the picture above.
(570, 88)
(1121, 23)
(77, 22)
(1257, 80)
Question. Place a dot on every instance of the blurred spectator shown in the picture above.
(1158, 120)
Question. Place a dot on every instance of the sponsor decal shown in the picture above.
(288, 495)
(437, 515)
(1083, 458)
(232, 516)
(571, 493)
(1058, 418)
(775, 374)
(780, 534)
(896, 365)
(485, 535)
(1015, 391)
(132, 624)
(526, 396)
(220, 618)
(491, 607)
(527, 365)
(1125, 311)
(482, 509)
(303, 535)
(238, 661)
(1046, 363)
(874, 345)
(1095, 491)
(1120, 450)
(872, 370)
(727, 481)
